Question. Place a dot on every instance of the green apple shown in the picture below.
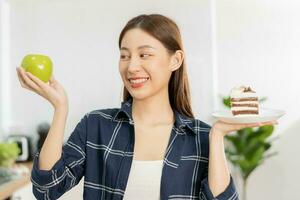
(38, 65)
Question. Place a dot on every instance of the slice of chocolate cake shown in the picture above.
(244, 101)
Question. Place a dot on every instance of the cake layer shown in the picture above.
(243, 95)
(242, 112)
(243, 99)
(245, 102)
(244, 108)
(244, 105)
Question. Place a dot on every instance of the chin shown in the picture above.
(140, 95)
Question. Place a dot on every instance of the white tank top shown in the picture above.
(144, 180)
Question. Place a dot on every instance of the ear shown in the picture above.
(176, 60)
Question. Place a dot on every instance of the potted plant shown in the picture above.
(8, 154)
(248, 148)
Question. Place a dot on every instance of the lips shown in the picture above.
(137, 82)
(135, 78)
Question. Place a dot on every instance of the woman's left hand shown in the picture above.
(222, 128)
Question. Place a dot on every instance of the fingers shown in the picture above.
(228, 127)
(274, 122)
(263, 123)
(241, 126)
(36, 80)
(29, 81)
(252, 124)
(53, 81)
(22, 81)
(259, 124)
(237, 126)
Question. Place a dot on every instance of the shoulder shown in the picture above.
(202, 134)
(200, 127)
(103, 114)
(99, 120)
(201, 124)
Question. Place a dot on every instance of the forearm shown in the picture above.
(52, 147)
(218, 171)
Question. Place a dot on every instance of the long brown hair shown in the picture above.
(167, 32)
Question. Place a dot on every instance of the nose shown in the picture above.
(134, 64)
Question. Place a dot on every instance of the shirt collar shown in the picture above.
(125, 112)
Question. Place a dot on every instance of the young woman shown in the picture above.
(151, 147)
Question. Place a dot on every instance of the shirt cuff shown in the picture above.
(44, 178)
(229, 193)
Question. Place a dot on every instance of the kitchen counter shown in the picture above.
(8, 188)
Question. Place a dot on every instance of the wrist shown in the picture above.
(216, 134)
(61, 109)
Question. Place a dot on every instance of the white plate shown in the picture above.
(265, 114)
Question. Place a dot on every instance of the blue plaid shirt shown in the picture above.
(101, 149)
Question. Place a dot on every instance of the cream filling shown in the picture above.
(245, 102)
(244, 95)
(243, 108)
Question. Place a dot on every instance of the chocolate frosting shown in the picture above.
(248, 89)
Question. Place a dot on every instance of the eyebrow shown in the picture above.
(140, 47)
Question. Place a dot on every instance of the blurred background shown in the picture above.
(227, 43)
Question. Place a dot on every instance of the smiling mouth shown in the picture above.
(136, 83)
(139, 80)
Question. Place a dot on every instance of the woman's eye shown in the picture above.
(126, 57)
(123, 57)
(144, 55)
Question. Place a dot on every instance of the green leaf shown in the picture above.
(254, 160)
(236, 142)
(261, 134)
(226, 102)
(250, 150)
(267, 145)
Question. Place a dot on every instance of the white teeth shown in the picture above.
(138, 80)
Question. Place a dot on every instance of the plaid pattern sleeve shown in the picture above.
(229, 193)
(67, 171)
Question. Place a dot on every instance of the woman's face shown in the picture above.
(145, 64)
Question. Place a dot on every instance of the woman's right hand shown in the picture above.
(52, 91)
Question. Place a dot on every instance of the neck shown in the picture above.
(155, 110)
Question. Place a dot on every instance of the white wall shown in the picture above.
(258, 44)
(4, 61)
